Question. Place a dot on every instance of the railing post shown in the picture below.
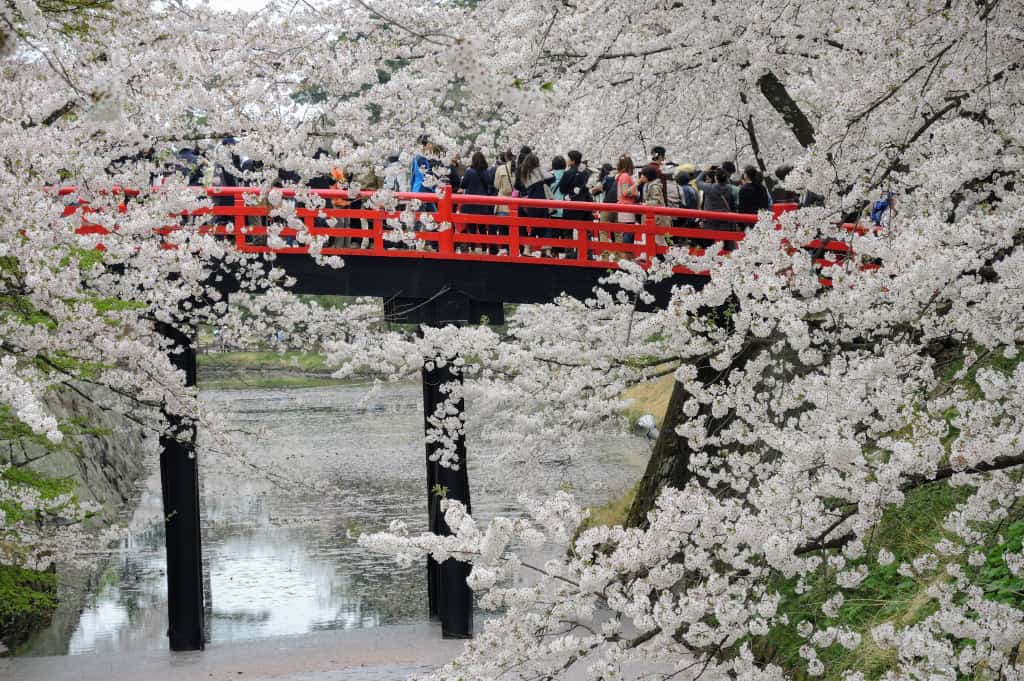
(179, 478)
(446, 240)
(582, 243)
(513, 232)
(239, 221)
(650, 224)
(378, 232)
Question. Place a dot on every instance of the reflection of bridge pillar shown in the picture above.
(179, 477)
(450, 598)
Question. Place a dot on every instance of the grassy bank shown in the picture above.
(650, 397)
(241, 370)
(885, 597)
(263, 361)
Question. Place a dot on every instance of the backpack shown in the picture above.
(580, 184)
(611, 190)
(673, 194)
(689, 198)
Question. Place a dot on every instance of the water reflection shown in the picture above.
(280, 563)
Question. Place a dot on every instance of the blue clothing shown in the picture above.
(556, 192)
(879, 208)
(690, 197)
(419, 162)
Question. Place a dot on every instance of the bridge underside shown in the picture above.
(430, 291)
(425, 291)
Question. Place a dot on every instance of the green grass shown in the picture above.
(649, 397)
(885, 596)
(49, 488)
(263, 369)
(27, 599)
(255, 379)
(263, 361)
(612, 513)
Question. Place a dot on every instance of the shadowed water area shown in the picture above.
(279, 556)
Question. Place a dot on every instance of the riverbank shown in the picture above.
(263, 369)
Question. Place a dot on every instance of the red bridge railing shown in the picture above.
(447, 228)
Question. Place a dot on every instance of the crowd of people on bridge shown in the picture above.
(658, 182)
(716, 188)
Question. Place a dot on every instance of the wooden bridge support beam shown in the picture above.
(450, 598)
(179, 477)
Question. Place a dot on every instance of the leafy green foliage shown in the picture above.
(906, 531)
(999, 583)
(48, 488)
(27, 598)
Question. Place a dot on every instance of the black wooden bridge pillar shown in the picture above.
(179, 477)
(450, 598)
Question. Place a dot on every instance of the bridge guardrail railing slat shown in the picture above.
(461, 235)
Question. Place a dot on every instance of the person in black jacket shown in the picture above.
(753, 194)
(574, 186)
(476, 181)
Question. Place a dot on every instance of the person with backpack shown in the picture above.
(688, 195)
(656, 162)
(717, 197)
(730, 168)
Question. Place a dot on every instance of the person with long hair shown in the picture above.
(626, 194)
(476, 181)
(534, 185)
(505, 178)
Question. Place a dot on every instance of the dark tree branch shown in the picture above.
(777, 95)
(755, 146)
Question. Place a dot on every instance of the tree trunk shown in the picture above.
(669, 465)
(670, 461)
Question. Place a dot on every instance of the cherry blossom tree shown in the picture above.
(805, 414)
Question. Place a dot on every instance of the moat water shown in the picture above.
(279, 555)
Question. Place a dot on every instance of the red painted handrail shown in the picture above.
(500, 237)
